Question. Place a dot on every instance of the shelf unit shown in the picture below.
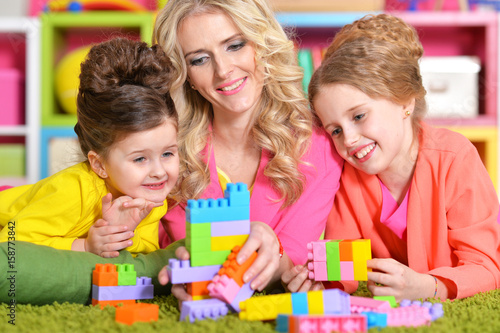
(23, 35)
(442, 34)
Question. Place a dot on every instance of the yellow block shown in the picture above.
(315, 302)
(200, 297)
(222, 243)
(266, 307)
(361, 250)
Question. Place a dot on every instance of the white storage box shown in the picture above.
(452, 86)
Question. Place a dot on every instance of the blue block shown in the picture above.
(142, 290)
(282, 323)
(375, 319)
(299, 303)
(235, 206)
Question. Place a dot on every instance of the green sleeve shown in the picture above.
(38, 274)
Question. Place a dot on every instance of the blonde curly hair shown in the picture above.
(378, 54)
(284, 124)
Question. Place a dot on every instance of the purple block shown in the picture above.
(142, 290)
(206, 308)
(230, 228)
(336, 301)
(182, 272)
(245, 293)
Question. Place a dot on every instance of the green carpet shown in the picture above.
(480, 313)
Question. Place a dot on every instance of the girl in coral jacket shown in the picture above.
(421, 194)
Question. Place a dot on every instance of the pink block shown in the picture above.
(318, 271)
(317, 250)
(11, 97)
(223, 288)
(361, 304)
(347, 271)
(327, 323)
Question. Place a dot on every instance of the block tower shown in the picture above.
(339, 260)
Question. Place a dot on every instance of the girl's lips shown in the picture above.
(156, 186)
(363, 153)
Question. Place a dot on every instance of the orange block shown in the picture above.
(105, 275)
(345, 249)
(113, 303)
(130, 314)
(233, 270)
(198, 288)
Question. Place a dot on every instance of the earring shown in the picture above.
(193, 87)
(407, 113)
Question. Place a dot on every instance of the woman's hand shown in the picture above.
(106, 240)
(297, 279)
(178, 290)
(265, 267)
(391, 278)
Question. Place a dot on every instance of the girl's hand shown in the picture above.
(178, 290)
(296, 280)
(264, 269)
(125, 210)
(398, 280)
(106, 240)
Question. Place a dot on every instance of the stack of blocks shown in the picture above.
(119, 284)
(213, 229)
(339, 260)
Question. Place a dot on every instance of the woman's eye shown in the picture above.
(237, 46)
(336, 131)
(198, 61)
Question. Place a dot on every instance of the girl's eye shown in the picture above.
(336, 131)
(359, 116)
(237, 46)
(167, 154)
(139, 159)
(198, 61)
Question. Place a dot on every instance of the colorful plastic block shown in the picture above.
(203, 309)
(181, 271)
(435, 310)
(408, 316)
(209, 258)
(390, 299)
(223, 288)
(102, 304)
(375, 319)
(325, 323)
(105, 275)
(127, 276)
(363, 304)
(315, 302)
(318, 270)
(268, 307)
(142, 312)
(346, 270)
(234, 206)
(233, 270)
(221, 243)
(199, 288)
(229, 228)
(142, 290)
(244, 293)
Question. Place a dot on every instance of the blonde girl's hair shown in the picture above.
(284, 125)
(379, 55)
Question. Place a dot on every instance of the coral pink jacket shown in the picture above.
(452, 228)
(296, 225)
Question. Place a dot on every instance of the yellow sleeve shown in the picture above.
(55, 211)
(145, 238)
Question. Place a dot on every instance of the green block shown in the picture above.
(390, 299)
(333, 260)
(127, 276)
(13, 160)
(198, 237)
(198, 230)
(209, 258)
(196, 245)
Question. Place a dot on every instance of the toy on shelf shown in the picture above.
(85, 5)
(67, 78)
(112, 285)
(339, 260)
